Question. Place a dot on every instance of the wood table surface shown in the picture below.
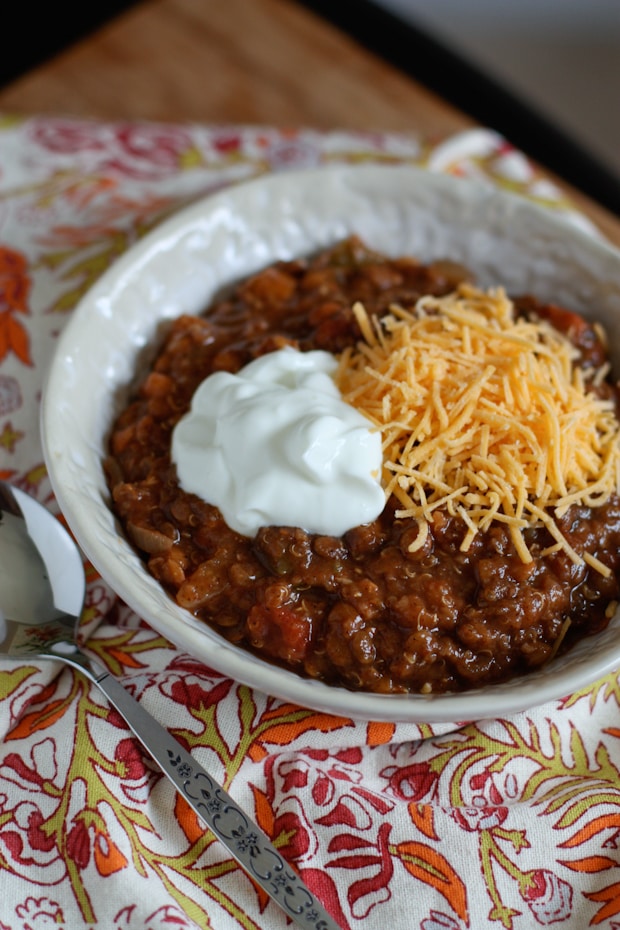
(268, 62)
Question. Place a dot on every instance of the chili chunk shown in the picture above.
(366, 611)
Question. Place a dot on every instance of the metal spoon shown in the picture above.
(42, 587)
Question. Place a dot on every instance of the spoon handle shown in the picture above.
(241, 836)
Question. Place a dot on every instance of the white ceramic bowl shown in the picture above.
(179, 266)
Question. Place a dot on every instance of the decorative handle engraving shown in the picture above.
(248, 844)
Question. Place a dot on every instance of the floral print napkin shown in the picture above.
(508, 824)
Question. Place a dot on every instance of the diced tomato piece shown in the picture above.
(281, 632)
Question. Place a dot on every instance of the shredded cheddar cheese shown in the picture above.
(484, 413)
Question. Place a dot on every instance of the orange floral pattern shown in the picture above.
(498, 825)
(14, 293)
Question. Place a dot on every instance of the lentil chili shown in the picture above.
(361, 611)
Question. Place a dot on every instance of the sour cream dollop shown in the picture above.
(275, 445)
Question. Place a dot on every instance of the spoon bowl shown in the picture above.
(42, 586)
(42, 581)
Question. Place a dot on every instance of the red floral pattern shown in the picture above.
(504, 824)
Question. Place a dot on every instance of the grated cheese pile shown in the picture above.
(486, 414)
